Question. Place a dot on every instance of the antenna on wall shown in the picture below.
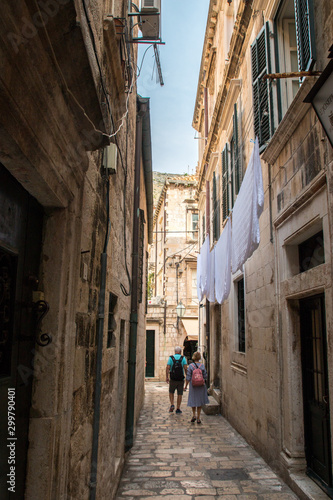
(158, 64)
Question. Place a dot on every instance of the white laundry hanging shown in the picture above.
(223, 264)
(248, 207)
(211, 291)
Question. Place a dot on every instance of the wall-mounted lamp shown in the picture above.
(180, 309)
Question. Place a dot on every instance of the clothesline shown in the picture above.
(239, 239)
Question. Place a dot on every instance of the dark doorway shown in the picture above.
(315, 391)
(21, 220)
(217, 348)
(150, 353)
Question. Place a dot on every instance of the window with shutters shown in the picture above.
(231, 168)
(192, 224)
(294, 35)
(225, 183)
(235, 150)
(216, 208)
(203, 228)
(261, 89)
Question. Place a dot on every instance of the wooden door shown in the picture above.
(21, 220)
(150, 353)
(315, 391)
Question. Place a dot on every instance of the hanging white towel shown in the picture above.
(223, 264)
(211, 291)
(246, 212)
(205, 267)
(199, 291)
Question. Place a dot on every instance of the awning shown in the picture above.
(191, 326)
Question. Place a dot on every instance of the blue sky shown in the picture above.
(183, 28)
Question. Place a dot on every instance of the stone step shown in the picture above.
(212, 408)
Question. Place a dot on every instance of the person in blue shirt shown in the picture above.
(175, 378)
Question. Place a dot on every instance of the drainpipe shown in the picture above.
(99, 356)
(208, 233)
(142, 107)
(270, 202)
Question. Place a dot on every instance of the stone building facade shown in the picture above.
(270, 343)
(75, 222)
(172, 267)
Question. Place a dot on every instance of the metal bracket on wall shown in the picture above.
(41, 308)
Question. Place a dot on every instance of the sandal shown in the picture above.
(193, 419)
(198, 421)
(172, 407)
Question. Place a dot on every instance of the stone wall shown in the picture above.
(53, 149)
(262, 387)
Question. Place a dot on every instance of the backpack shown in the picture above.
(197, 377)
(177, 372)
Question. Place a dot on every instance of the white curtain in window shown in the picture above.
(248, 207)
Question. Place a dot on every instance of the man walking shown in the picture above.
(175, 378)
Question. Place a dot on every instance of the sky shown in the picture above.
(174, 148)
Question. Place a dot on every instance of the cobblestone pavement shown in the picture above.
(173, 459)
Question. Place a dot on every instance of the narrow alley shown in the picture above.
(174, 459)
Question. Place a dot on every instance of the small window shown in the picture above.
(112, 324)
(311, 252)
(241, 315)
(194, 224)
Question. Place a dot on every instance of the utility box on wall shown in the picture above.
(110, 159)
(150, 19)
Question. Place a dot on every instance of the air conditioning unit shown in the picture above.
(150, 27)
(110, 159)
(150, 5)
(156, 301)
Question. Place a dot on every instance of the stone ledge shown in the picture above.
(212, 408)
(305, 488)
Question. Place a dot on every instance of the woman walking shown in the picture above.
(198, 394)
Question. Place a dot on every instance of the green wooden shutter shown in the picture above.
(225, 183)
(305, 34)
(214, 208)
(262, 99)
(236, 163)
(218, 208)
